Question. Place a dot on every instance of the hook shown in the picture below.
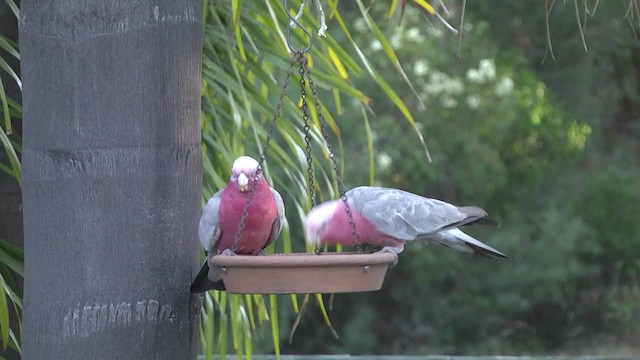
(295, 21)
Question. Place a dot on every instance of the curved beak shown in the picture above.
(243, 182)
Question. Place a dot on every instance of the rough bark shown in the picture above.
(111, 177)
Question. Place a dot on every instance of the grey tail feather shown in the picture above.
(475, 215)
(486, 221)
(202, 283)
(477, 250)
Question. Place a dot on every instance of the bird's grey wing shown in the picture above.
(401, 214)
(276, 228)
(209, 230)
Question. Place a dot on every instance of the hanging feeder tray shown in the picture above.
(303, 273)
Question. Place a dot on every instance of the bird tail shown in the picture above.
(478, 247)
(456, 239)
(474, 215)
(203, 281)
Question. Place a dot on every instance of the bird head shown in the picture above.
(244, 171)
(317, 221)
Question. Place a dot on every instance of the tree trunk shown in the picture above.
(111, 177)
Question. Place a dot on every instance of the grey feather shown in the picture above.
(458, 240)
(209, 230)
(209, 233)
(276, 228)
(404, 215)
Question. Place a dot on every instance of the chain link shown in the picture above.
(307, 129)
(263, 155)
(304, 74)
(327, 140)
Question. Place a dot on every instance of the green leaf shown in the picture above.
(13, 157)
(13, 7)
(9, 46)
(425, 5)
(4, 315)
(275, 331)
(236, 6)
(369, 133)
(9, 70)
(5, 109)
(392, 8)
(223, 327)
(12, 263)
(325, 316)
(391, 54)
(208, 332)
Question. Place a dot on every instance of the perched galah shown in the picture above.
(390, 218)
(222, 215)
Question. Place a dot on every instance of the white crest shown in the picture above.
(244, 164)
(316, 220)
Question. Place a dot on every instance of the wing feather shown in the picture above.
(276, 228)
(209, 230)
(401, 214)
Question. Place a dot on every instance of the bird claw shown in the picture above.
(228, 252)
(393, 250)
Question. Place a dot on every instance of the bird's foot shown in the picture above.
(262, 252)
(393, 250)
(228, 252)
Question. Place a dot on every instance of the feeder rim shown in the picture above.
(301, 260)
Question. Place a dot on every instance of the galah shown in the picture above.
(222, 215)
(390, 218)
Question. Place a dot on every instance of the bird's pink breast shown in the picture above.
(262, 213)
(339, 231)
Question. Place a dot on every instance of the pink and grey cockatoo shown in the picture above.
(222, 215)
(390, 218)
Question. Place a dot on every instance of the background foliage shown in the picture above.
(546, 141)
(549, 148)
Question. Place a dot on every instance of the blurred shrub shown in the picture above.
(502, 140)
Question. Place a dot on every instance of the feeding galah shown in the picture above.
(391, 217)
(222, 215)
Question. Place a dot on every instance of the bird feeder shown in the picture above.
(303, 273)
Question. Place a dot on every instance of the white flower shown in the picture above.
(455, 87)
(374, 135)
(473, 101)
(414, 34)
(435, 31)
(420, 67)
(474, 76)
(449, 102)
(487, 68)
(396, 39)
(436, 83)
(384, 160)
(504, 86)
(360, 25)
(375, 45)
(442, 84)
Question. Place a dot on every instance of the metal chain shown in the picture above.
(325, 134)
(263, 155)
(307, 128)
